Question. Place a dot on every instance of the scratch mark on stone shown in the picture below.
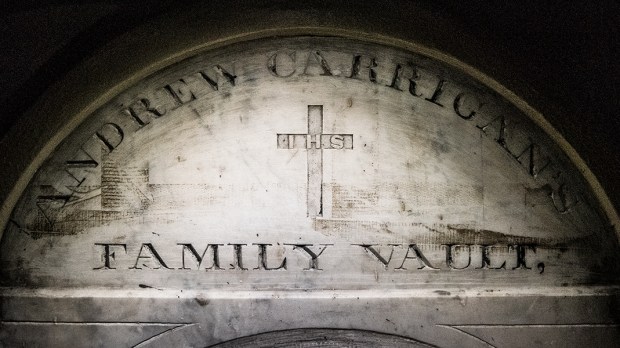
(150, 339)
(468, 334)
(144, 286)
(19, 227)
(90, 323)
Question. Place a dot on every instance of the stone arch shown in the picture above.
(455, 251)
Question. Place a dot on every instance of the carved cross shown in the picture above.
(315, 142)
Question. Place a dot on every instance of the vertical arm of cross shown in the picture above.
(315, 160)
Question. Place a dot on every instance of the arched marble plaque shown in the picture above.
(288, 184)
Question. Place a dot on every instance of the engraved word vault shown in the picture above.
(345, 190)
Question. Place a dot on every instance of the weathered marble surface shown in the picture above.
(298, 183)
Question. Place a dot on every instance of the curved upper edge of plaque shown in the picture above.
(189, 31)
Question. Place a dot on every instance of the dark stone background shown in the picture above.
(567, 52)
